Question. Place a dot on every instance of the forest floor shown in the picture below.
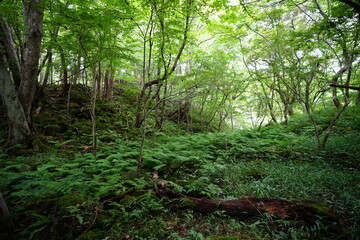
(71, 193)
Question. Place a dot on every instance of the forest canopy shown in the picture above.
(221, 64)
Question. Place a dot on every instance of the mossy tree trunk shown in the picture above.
(304, 210)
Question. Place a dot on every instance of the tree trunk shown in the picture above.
(6, 221)
(111, 85)
(33, 17)
(19, 104)
(19, 129)
(98, 81)
(6, 39)
(168, 67)
(158, 123)
(336, 99)
(93, 109)
(106, 84)
(246, 207)
(333, 122)
(47, 72)
(64, 79)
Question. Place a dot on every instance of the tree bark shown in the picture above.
(98, 80)
(19, 103)
(246, 207)
(6, 39)
(344, 86)
(33, 17)
(64, 78)
(5, 219)
(19, 129)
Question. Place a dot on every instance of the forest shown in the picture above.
(179, 119)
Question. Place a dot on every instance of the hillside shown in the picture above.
(68, 192)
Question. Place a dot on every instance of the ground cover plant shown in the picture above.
(107, 195)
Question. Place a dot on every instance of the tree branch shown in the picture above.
(344, 86)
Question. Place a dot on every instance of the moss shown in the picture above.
(79, 98)
(106, 136)
(320, 207)
(32, 145)
(52, 129)
(67, 200)
(44, 119)
(136, 196)
(38, 145)
(80, 114)
(83, 127)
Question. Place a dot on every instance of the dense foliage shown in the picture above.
(102, 101)
(70, 193)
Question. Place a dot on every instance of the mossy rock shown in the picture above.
(74, 106)
(79, 98)
(136, 196)
(44, 118)
(104, 120)
(61, 103)
(52, 129)
(67, 200)
(81, 114)
(83, 127)
(106, 136)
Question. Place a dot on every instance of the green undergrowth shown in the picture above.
(106, 196)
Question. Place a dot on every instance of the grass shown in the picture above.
(58, 196)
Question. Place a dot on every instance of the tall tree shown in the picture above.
(19, 68)
(172, 34)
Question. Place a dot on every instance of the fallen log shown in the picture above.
(307, 211)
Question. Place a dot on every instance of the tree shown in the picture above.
(18, 73)
(171, 35)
